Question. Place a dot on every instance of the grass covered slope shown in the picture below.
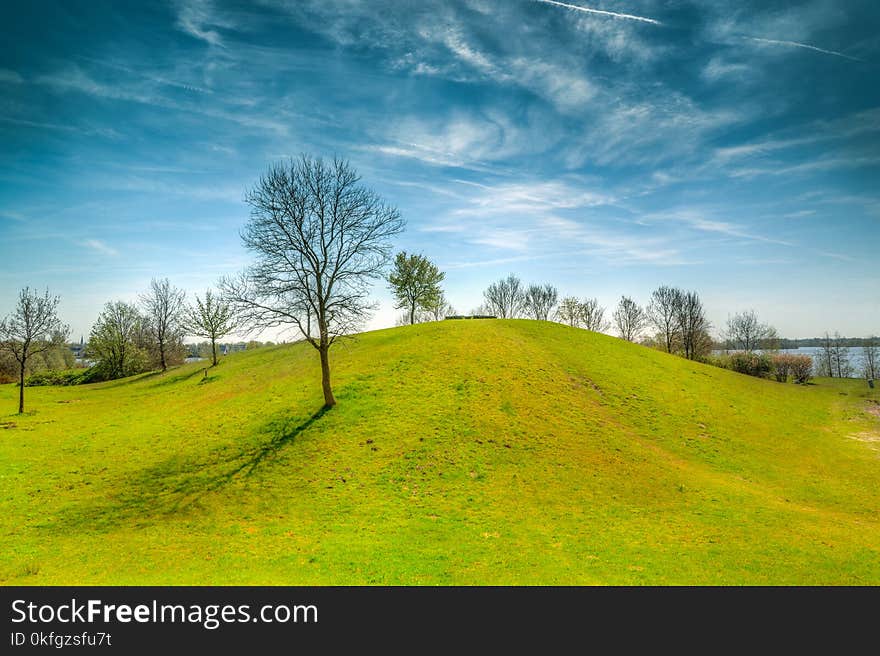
(470, 452)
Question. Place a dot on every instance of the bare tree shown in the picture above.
(441, 309)
(871, 358)
(320, 237)
(840, 357)
(504, 298)
(163, 307)
(415, 282)
(663, 314)
(569, 311)
(212, 318)
(629, 318)
(746, 333)
(539, 301)
(593, 316)
(825, 356)
(29, 331)
(691, 324)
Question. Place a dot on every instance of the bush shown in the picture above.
(801, 368)
(63, 378)
(782, 365)
(720, 360)
(751, 364)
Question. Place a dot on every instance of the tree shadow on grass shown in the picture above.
(176, 485)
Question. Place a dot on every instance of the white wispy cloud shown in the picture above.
(199, 19)
(601, 12)
(703, 221)
(10, 77)
(100, 247)
(42, 125)
(513, 198)
(73, 78)
(795, 44)
(718, 69)
(836, 256)
(462, 139)
(611, 246)
(13, 216)
(663, 126)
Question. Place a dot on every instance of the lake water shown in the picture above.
(856, 359)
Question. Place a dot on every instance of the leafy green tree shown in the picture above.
(415, 282)
(32, 328)
(114, 341)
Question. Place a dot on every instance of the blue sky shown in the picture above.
(731, 147)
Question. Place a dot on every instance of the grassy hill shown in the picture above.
(470, 452)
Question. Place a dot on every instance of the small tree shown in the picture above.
(504, 298)
(441, 309)
(163, 307)
(211, 318)
(29, 331)
(415, 283)
(114, 339)
(569, 311)
(664, 313)
(592, 316)
(692, 326)
(825, 356)
(840, 362)
(539, 301)
(746, 333)
(871, 358)
(629, 318)
(320, 238)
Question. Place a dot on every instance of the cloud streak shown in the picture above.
(602, 12)
(795, 44)
(100, 247)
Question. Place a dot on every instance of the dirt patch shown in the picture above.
(874, 408)
(870, 439)
(579, 382)
(7, 424)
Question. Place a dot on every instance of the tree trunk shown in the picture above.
(329, 400)
(214, 350)
(412, 314)
(162, 356)
(21, 390)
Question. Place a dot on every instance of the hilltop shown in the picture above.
(461, 452)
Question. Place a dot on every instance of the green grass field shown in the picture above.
(468, 452)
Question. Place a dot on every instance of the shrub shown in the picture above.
(64, 378)
(752, 364)
(801, 368)
(782, 365)
(720, 360)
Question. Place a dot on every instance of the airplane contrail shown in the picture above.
(602, 12)
(776, 42)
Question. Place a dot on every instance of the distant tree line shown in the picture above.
(319, 237)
